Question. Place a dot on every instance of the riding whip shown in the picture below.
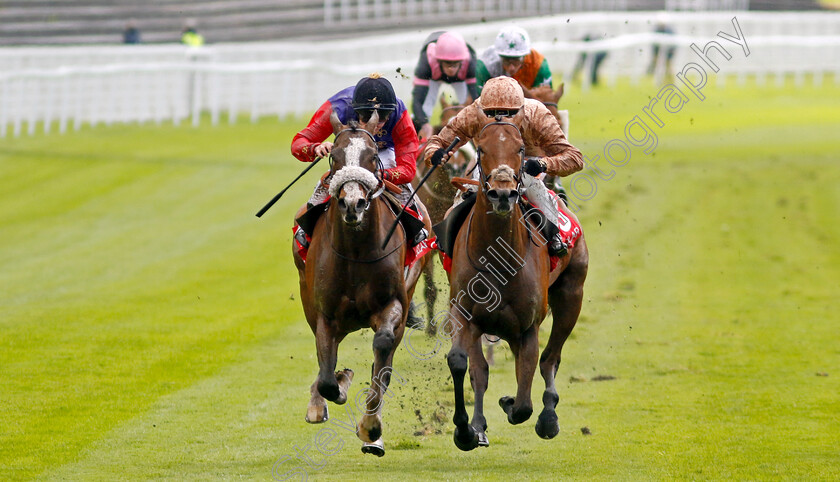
(407, 203)
(278, 196)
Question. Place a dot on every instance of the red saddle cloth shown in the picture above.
(412, 254)
(569, 228)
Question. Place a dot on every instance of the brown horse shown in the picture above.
(437, 194)
(500, 284)
(348, 282)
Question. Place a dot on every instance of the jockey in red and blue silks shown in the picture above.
(446, 58)
(395, 136)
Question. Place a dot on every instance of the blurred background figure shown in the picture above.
(511, 55)
(445, 58)
(597, 58)
(662, 54)
(131, 34)
(190, 35)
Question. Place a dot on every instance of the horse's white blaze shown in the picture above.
(502, 137)
(353, 152)
(353, 192)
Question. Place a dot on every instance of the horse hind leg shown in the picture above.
(565, 299)
(316, 411)
(526, 350)
(430, 293)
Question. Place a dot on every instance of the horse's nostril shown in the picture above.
(492, 194)
(342, 204)
(360, 205)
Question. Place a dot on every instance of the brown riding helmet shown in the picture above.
(502, 93)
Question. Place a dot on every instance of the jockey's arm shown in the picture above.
(561, 158)
(318, 130)
(465, 124)
(405, 148)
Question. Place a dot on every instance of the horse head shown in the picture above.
(500, 156)
(353, 162)
(547, 96)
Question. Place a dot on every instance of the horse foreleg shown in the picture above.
(565, 298)
(466, 438)
(526, 350)
(479, 375)
(389, 331)
(326, 344)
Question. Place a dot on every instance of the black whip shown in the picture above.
(434, 166)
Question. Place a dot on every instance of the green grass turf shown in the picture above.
(151, 329)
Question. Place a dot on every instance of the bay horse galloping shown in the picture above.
(348, 282)
(501, 284)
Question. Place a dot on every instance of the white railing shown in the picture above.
(64, 87)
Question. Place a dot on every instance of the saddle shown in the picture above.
(447, 230)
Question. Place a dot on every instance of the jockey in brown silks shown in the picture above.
(395, 137)
(502, 99)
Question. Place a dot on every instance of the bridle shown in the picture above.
(369, 197)
(485, 178)
(380, 187)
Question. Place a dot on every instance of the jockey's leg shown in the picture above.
(319, 196)
(564, 232)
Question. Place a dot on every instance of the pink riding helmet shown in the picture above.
(449, 46)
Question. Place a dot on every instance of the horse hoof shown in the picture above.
(507, 404)
(466, 439)
(482, 439)
(547, 427)
(344, 378)
(314, 415)
(515, 417)
(376, 448)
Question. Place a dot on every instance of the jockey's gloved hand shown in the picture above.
(437, 157)
(534, 166)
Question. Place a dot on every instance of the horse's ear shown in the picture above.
(336, 123)
(443, 103)
(558, 93)
(370, 126)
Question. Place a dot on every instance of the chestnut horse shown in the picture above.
(348, 282)
(437, 194)
(500, 284)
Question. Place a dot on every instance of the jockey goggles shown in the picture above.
(365, 114)
(500, 112)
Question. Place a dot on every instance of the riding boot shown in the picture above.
(558, 247)
(414, 321)
(300, 236)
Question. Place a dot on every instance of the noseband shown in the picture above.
(485, 178)
(372, 193)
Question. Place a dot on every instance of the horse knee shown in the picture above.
(457, 361)
(383, 342)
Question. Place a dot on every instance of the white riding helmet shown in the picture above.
(512, 42)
